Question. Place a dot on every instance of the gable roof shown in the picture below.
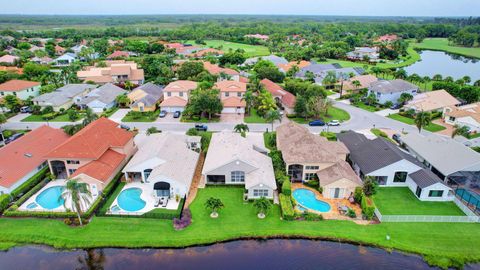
(352, 139)
(153, 94)
(340, 170)
(231, 86)
(365, 82)
(392, 86)
(174, 102)
(287, 98)
(216, 70)
(105, 94)
(298, 145)
(180, 86)
(425, 178)
(470, 110)
(17, 85)
(276, 60)
(25, 154)
(300, 64)
(9, 58)
(92, 141)
(103, 167)
(117, 54)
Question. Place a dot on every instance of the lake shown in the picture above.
(437, 62)
(248, 254)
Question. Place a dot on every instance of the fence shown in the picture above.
(469, 218)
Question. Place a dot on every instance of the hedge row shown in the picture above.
(287, 208)
(368, 207)
(4, 201)
(287, 188)
(108, 202)
(30, 183)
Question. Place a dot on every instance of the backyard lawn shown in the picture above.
(401, 201)
(432, 127)
(253, 117)
(441, 44)
(250, 50)
(441, 243)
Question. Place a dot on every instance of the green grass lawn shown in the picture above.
(432, 127)
(39, 118)
(250, 50)
(334, 113)
(366, 107)
(401, 201)
(200, 120)
(144, 117)
(253, 117)
(441, 44)
(441, 243)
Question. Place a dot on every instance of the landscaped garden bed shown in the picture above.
(134, 116)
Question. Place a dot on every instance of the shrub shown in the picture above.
(192, 132)
(281, 177)
(4, 201)
(331, 136)
(358, 194)
(287, 188)
(277, 160)
(368, 207)
(287, 207)
(312, 183)
(184, 221)
(30, 183)
(369, 186)
(308, 216)
(351, 213)
(320, 189)
(270, 140)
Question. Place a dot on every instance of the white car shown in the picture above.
(334, 123)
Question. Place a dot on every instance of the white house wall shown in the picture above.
(389, 171)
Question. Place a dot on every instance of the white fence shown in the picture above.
(469, 218)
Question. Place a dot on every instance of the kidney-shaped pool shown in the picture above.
(129, 200)
(306, 198)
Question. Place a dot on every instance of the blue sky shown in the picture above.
(302, 7)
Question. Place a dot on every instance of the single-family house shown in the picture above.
(362, 53)
(20, 88)
(386, 91)
(363, 81)
(59, 50)
(467, 115)
(24, 157)
(120, 54)
(389, 38)
(433, 101)
(285, 99)
(65, 60)
(12, 69)
(102, 98)
(176, 94)
(299, 64)
(145, 98)
(94, 155)
(390, 166)
(78, 48)
(9, 59)
(222, 73)
(164, 164)
(64, 97)
(276, 60)
(309, 157)
(258, 36)
(231, 95)
(205, 52)
(116, 71)
(234, 160)
(320, 71)
(42, 60)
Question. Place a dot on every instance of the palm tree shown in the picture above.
(422, 119)
(476, 83)
(400, 74)
(330, 78)
(249, 100)
(263, 205)
(458, 130)
(426, 80)
(214, 204)
(78, 195)
(90, 116)
(128, 85)
(356, 84)
(467, 79)
(122, 100)
(437, 77)
(273, 115)
(241, 128)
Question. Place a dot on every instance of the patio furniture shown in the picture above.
(343, 209)
(165, 202)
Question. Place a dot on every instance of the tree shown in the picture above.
(265, 102)
(357, 84)
(205, 101)
(262, 205)
(12, 103)
(214, 204)
(249, 99)
(273, 115)
(189, 70)
(400, 74)
(72, 115)
(330, 79)
(87, 54)
(437, 77)
(101, 46)
(371, 98)
(78, 196)
(152, 130)
(422, 119)
(369, 186)
(72, 129)
(90, 116)
(267, 70)
(467, 79)
(404, 98)
(476, 83)
(234, 58)
(34, 71)
(241, 128)
(128, 85)
(123, 100)
(462, 131)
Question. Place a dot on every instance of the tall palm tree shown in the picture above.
(90, 116)
(422, 119)
(77, 195)
(467, 79)
(262, 205)
(249, 100)
(356, 84)
(426, 80)
(273, 115)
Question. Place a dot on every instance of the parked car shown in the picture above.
(396, 137)
(334, 123)
(13, 138)
(177, 114)
(162, 114)
(201, 127)
(316, 123)
(396, 106)
(125, 127)
(25, 109)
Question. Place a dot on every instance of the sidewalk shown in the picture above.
(118, 115)
(18, 118)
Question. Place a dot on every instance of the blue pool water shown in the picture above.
(306, 199)
(51, 197)
(32, 205)
(129, 200)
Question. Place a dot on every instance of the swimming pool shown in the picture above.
(306, 199)
(51, 197)
(129, 200)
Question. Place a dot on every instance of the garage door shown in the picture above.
(228, 110)
(172, 109)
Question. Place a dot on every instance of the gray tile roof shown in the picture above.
(276, 60)
(391, 86)
(72, 90)
(425, 178)
(105, 94)
(321, 71)
(154, 94)
(352, 139)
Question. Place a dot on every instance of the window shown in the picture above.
(451, 117)
(181, 94)
(312, 167)
(169, 94)
(260, 193)
(435, 193)
(239, 94)
(310, 176)
(400, 177)
(71, 171)
(238, 176)
(227, 94)
(2, 93)
(73, 162)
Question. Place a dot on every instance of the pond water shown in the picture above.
(250, 254)
(437, 62)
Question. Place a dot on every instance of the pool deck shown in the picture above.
(147, 196)
(334, 213)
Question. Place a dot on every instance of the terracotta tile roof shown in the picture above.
(17, 85)
(233, 102)
(174, 102)
(12, 69)
(387, 38)
(244, 79)
(204, 52)
(102, 168)
(287, 98)
(117, 54)
(365, 82)
(9, 59)
(180, 86)
(470, 110)
(23, 155)
(216, 70)
(92, 141)
(230, 86)
(299, 64)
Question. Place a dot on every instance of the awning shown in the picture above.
(161, 186)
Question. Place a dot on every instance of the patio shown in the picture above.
(334, 212)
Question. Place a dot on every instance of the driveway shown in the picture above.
(18, 118)
(231, 118)
(168, 119)
(118, 115)
(387, 112)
